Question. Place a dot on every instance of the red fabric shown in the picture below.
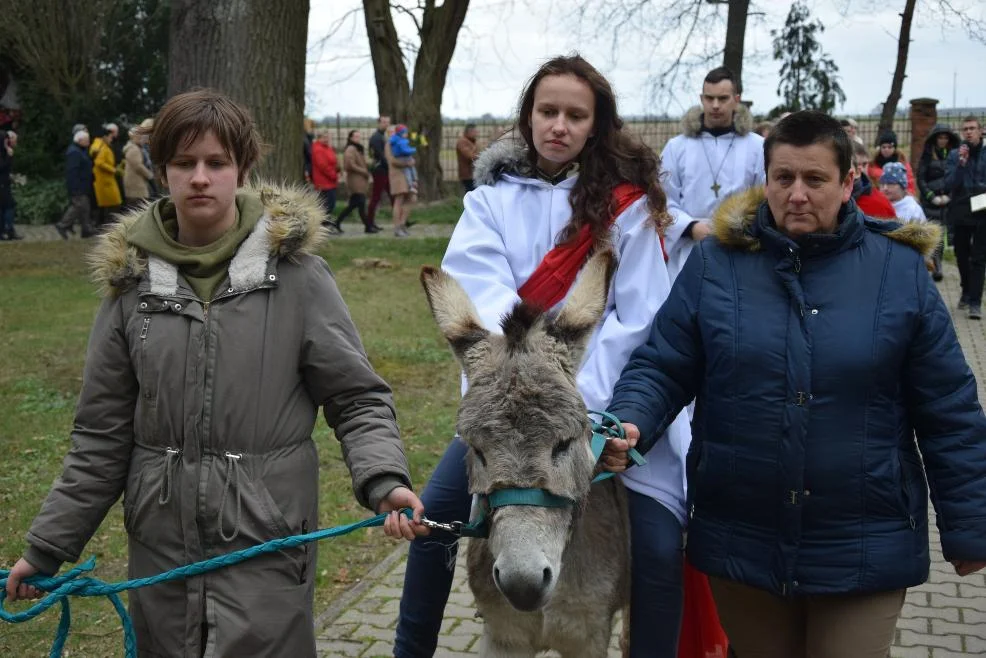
(701, 635)
(876, 205)
(325, 167)
(556, 273)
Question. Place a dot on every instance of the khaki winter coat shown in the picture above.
(357, 175)
(398, 183)
(136, 175)
(201, 414)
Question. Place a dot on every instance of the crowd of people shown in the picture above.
(391, 169)
(779, 353)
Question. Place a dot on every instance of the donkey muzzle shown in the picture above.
(525, 581)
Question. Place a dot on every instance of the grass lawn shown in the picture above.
(46, 309)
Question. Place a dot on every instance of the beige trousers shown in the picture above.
(762, 625)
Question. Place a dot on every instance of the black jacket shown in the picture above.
(931, 167)
(78, 171)
(965, 182)
(377, 143)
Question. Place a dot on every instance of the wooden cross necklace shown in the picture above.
(715, 187)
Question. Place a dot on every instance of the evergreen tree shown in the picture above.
(809, 78)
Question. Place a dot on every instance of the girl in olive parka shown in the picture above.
(220, 336)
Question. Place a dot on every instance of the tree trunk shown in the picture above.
(439, 28)
(735, 35)
(389, 71)
(420, 105)
(253, 51)
(903, 43)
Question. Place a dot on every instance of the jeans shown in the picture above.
(657, 554)
(7, 215)
(328, 200)
(428, 576)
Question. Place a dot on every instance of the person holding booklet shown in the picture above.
(567, 181)
(965, 178)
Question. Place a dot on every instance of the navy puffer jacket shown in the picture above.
(814, 365)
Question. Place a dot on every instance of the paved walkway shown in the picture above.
(943, 618)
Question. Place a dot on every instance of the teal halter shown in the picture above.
(609, 428)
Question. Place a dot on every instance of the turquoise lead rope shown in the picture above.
(73, 583)
(60, 588)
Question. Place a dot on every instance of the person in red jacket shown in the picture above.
(870, 200)
(887, 151)
(325, 172)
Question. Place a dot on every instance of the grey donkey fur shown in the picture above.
(547, 578)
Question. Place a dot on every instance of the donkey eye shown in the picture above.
(560, 448)
(479, 456)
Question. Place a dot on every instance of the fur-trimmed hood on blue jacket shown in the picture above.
(829, 383)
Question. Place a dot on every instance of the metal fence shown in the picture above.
(655, 133)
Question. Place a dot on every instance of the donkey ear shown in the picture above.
(584, 307)
(456, 316)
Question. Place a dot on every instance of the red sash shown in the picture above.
(556, 272)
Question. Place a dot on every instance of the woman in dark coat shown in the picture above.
(931, 181)
(817, 350)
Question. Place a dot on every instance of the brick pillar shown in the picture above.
(924, 116)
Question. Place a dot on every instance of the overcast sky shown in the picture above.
(504, 41)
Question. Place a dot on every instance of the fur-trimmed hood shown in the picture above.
(691, 123)
(507, 155)
(734, 220)
(291, 225)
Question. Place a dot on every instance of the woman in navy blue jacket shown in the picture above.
(817, 349)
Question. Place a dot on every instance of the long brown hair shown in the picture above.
(610, 156)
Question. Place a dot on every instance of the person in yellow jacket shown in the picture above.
(108, 198)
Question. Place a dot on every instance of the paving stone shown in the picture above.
(939, 601)
(457, 642)
(912, 639)
(366, 631)
(975, 646)
(909, 652)
(970, 616)
(948, 614)
(940, 627)
(338, 648)
(379, 650)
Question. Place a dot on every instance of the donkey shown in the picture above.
(547, 577)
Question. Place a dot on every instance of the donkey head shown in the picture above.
(524, 420)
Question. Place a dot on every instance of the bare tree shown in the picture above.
(732, 57)
(419, 103)
(693, 28)
(897, 84)
(254, 51)
(947, 13)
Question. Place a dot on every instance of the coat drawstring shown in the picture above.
(171, 457)
(232, 471)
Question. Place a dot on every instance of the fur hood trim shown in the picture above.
(291, 226)
(507, 155)
(691, 123)
(735, 216)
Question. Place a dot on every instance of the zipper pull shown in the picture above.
(143, 328)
